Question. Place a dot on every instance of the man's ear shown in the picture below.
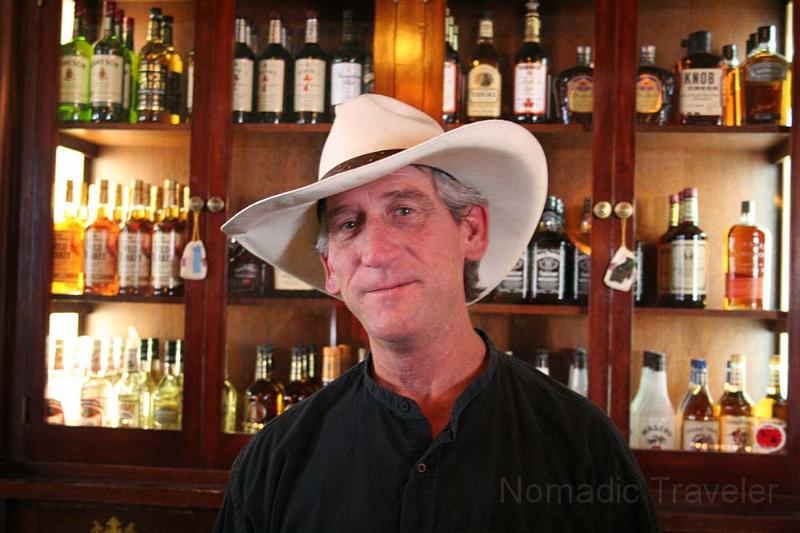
(475, 224)
(330, 281)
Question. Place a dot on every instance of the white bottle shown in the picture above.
(655, 422)
(636, 403)
(578, 373)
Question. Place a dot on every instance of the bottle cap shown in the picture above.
(171, 348)
(657, 359)
(775, 359)
(730, 52)
(690, 192)
(702, 41)
(647, 53)
(155, 12)
(766, 34)
(579, 357)
(748, 207)
(699, 364)
(738, 358)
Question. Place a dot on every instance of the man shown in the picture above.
(437, 430)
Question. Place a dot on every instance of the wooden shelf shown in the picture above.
(777, 320)
(281, 128)
(304, 298)
(124, 134)
(128, 299)
(527, 309)
(774, 139)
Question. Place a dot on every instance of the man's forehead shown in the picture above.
(407, 181)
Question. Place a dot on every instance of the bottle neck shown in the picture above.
(674, 214)
(647, 59)
(736, 380)
(689, 211)
(774, 384)
(168, 34)
(108, 25)
(551, 221)
(532, 27)
(347, 30)
(311, 31)
(747, 218)
(131, 360)
(129, 35)
(275, 31)
(154, 30)
(486, 31)
(77, 23)
(699, 378)
(241, 32)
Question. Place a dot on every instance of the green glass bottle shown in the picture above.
(76, 61)
(132, 79)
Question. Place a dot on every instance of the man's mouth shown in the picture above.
(389, 287)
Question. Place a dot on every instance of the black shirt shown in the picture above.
(521, 453)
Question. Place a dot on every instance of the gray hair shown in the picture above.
(458, 198)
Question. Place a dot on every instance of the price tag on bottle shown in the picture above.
(194, 264)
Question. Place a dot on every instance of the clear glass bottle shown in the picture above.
(310, 77)
(75, 77)
(148, 353)
(746, 251)
(733, 87)
(550, 256)
(108, 63)
(243, 61)
(772, 414)
(168, 396)
(735, 410)
(153, 73)
(127, 388)
(700, 80)
(579, 373)
(275, 77)
(174, 74)
(688, 257)
(531, 66)
(346, 65)
(68, 248)
(453, 73)
(574, 90)
(655, 88)
(265, 397)
(655, 421)
(767, 80)
(97, 392)
(100, 250)
(700, 424)
(484, 81)
(135, 247)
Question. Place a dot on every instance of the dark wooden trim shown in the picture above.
(383, 46)
(89, 149)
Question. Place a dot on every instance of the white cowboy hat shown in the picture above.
(375, 135)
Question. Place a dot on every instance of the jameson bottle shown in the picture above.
(76, 64)
(153, 73)
(168, 396)
(700, 424)
(135, 247)
(484, 82)
(346, 65)
(531, 72)
(148, 358)
(700, 81)
(688, 257)
(735, 410)
(655, 88)
(746, 250)
(767, 82)
(243, 59)
(772, 414)
(127, 388)
(97, 392)
(574, 90)
(453, 73)
(108, 62)
(266, 395)
(550, 255)
(275, 75)
(310, 77)
(655, 420)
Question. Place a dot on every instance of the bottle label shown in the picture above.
(128, 410)
(126, 86)
(54, 412)
(483, 91)
(74, 88)
(190, 87)
(309, 85)
(107, 79)
(580, 94)
(688, 258)
(583, 264)
(701, 91)
(311, 30)
(166, 416)
(247, 278)
(93, 412)
(287, 282)
(649, 94)
(152, 86)
(99, 262)
(165, 269)
(449, 97)
(736, 433)
(271, 78)
(744, 288)
(770, 435)
(516, 281)
(135, 250)
(67, 255)
(243, 85)
(345, 82)
(664, 281)
(530, 89)
(173, 97)
(766, 71)
(700, 435)
(486, 29)
(548, 271)
(656, 433)
(256, 413)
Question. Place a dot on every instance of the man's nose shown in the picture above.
(379, 243)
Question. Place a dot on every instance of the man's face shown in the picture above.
(396, 255)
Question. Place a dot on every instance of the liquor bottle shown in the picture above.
(451, 87)
(655, 88)
(767, 82)
(579, 373)
(514, 287)
(700, 80)
(54, 392)
(100, 251)
(119, 32)
(130, 88)
(68, 248)
(148, 353)
(230, 401)
(772, 414)
(346, 65)
(664, 252)
(168, 396)
(127, 388)
(750, 45)
(135, 247)
(118, 213)
(574, 90)
(75, 78)
(542, 361)
(641, 393)
(582, 256)
(275, 77)
(735, 410)
(154, 208)
(746, 250)
(530, 72)
(247, 274)
(314, 382)
(265, 397)
(108, 60)
(243, 60)
(550, 255)
(296, 391)
(97, 392)
(368, 80)
(655, 420)
(700, 424)
(310, 79)
(732, 107)
(330, 355)
(168, 240)
(153, 73)
(174, 74)
(484, 82)
(688, 257)
(189, 85)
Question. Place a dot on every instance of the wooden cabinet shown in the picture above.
(52, 474)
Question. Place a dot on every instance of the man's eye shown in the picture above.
(347, 225)
(405, 211)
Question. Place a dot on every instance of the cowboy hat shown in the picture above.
(375, 135)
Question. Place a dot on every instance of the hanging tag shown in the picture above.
(621, 271)
(194, 264)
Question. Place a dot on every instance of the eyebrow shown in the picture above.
(410, 193)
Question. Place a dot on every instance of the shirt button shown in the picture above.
(421, 468)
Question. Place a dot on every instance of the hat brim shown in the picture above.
(500, 159)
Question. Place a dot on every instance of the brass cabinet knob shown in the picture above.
(196, 204)
(623, 210)
(602, 210)
(215, 204)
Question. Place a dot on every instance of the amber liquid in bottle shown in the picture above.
(135, 247)
(745, 255)
(767, 82)
(735, 410)
(700, 424)
(772, 414)
(100, 251)
(168, 241)
(68, 249)
(655, 88)
(297, 390)
(733, 87)
(265, 396)
(700, 80)
(484, 82)
(575, 90)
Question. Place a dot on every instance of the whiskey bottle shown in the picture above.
(127, 388)
(655, 421)
(550, 255)
(484, 82)
(97, 392)
(542, 361)
(229, 409)
(75, 77)
(100, 251)
(746, 250)
(574, 90)
(265, 397)
(735, 410)
(655, 88)
(310, 77)
(514, 287)
(168, 396)
(313, 380)
(119, 32)
(108, 60)
(296, 390)
(733, 87)
(135, 247)
(750, 45)
(664, 252)
(579, 373)
(168, 240)
(688, 257)
(772, 414)
(153, 73)
(700, 81)
(148, 354)
(189, 85)
(275, 77)
(247, 274)
(130, 88)
(700, 424)
(330, 364)
(453, 72)
(243, 59)
(641, 393)
(582, 255)
(346, 65)
(54, 392)
(68, 248)
(767, 82)
(174, 75)
(530, 72)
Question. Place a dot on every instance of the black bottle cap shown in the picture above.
(766, 34)
(751, 43)
(656, 360)
(730, 52)
(171, 347)
(155, 12)
(702, 41)
(579, 357)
